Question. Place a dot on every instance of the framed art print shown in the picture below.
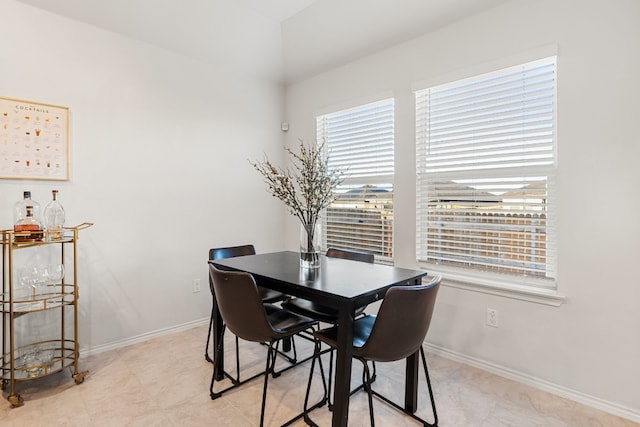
(34, 140)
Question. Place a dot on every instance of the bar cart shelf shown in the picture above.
(31, 359)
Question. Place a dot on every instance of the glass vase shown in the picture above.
(310, 237)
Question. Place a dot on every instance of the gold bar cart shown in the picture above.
(31, 359)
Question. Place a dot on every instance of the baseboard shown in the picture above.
(585, 399)
(143, 337)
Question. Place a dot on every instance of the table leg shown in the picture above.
(411, 383)
(343, 370)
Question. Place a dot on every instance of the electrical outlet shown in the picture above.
(196, 285)
(492, 317)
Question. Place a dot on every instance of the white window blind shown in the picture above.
(360, 141)
(486, 160)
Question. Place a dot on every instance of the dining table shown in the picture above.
(338, 283)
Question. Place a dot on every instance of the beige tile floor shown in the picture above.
(165, 382)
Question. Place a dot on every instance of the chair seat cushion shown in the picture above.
(270, 296)
(312, 309)
(284, 322)
(361, 330)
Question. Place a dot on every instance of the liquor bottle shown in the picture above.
(54, 217)
(28, 228)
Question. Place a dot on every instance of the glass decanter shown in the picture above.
(28, 228)
(54, 217)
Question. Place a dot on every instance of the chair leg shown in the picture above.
(235, 382)
(206, 347)
(317, 355)
(400, 408)
(433, 401)
(367, 386)
(353, 391)
(271, 361)
(237, 359)
(293, 360)
(329, 403)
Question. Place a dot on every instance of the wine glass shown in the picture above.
(54, 273)
(31, 276)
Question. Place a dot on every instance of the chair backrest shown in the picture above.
(351, 255)
(402, 322)
(240, 304)
(231, 251)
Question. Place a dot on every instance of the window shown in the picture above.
(486, 160)
(360, 142)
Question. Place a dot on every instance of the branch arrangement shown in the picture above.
(306, 188)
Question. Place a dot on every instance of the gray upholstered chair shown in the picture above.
(268, 295)
(246, 316)
(397, 332)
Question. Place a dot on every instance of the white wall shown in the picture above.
(159, 162)
(160, 143)
(589, 347)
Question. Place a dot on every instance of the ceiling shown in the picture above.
(285, 40)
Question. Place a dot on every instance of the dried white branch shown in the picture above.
(306, 188)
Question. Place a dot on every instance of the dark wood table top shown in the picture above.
(336, 281)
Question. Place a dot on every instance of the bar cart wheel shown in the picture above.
(16, 400)
(79, 377)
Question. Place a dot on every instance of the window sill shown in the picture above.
(504, 289)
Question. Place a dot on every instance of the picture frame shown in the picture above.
(34, 140)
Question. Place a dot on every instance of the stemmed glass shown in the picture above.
(53, 274)
(36, 276)
(30, 278)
